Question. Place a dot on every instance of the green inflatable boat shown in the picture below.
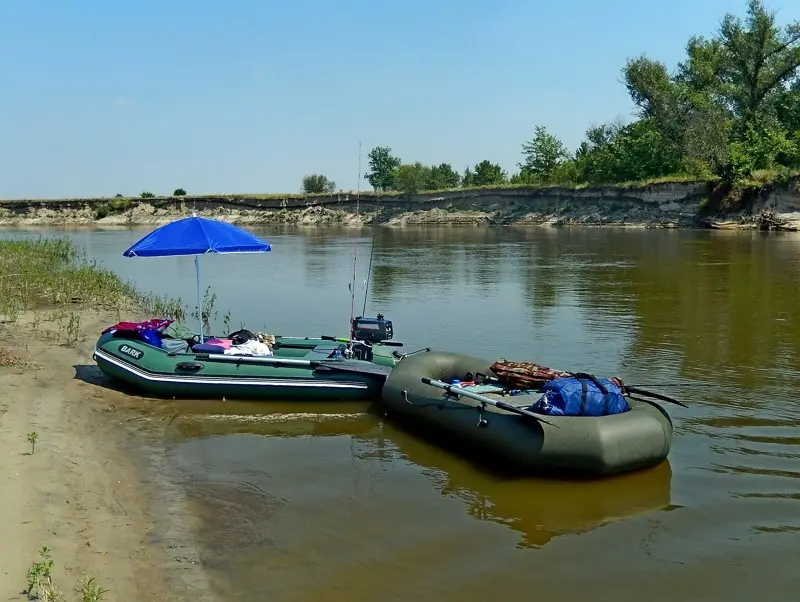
(297, 368)
(504, 428)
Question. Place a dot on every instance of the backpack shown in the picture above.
(242, 336)
(581, 395)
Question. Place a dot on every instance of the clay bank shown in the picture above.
(662, 205)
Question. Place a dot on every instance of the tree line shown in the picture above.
(731, 108)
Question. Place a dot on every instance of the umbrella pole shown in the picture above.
(199, 298)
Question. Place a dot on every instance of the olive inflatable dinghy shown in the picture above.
(504, 428)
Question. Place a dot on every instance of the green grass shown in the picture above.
(50, 273)
(770, 177)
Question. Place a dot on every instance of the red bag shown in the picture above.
(152, 324)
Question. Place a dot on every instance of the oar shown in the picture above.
(277, 362)
(638, 391)
(454, 390)
(676, 385)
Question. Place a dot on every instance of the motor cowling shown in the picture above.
(372, 330)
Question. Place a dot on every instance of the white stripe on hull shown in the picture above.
(223, 380)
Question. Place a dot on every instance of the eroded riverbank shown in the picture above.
(659, 205)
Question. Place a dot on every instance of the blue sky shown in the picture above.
(245, 96)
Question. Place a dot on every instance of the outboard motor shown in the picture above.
(372, 330)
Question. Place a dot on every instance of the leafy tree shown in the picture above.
(487, 174)
(618, 152)
(442, 176)
(179, 192)
(543, 154)
(651, 87)
(754, 60)
(318, 184)
(787, 108)
(665, 104)
(147, 195)
(730, 105)
(382, 165)
(411, 178)
(469, 178)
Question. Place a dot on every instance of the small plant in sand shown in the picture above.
(36, 323)
(90, 591)
(73, 328)
(160, 306)
(41, 586)
(40, 579)
(33, 437)
(209, 301)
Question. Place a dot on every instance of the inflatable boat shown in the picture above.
(502, 425)
(302, 368)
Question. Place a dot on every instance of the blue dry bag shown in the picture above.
(151, 336)
(581, 395)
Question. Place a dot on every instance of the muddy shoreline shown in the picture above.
(661, 205)
(96, 490)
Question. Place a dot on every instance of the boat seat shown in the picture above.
(320, 352)
(206, 348)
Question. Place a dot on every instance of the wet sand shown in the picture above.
(91, 491)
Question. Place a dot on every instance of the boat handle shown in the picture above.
(192, 366)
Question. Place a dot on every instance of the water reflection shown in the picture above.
(286, 456)
(538, 509)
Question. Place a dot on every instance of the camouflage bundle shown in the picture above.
(524, 375)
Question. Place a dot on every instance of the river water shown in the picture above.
(311, 502)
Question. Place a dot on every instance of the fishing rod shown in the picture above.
(352, 284)
(371, 254)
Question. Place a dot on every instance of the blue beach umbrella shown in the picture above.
(197, 236)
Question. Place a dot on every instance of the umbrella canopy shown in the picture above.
(197, 236)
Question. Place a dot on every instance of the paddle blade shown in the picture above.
(639, 391)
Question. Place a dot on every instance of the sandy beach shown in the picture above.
(91, 491)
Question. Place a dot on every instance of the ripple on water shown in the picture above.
(753, 440)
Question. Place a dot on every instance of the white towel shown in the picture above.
(251, 347)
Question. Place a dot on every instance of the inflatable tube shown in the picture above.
(605, 445)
